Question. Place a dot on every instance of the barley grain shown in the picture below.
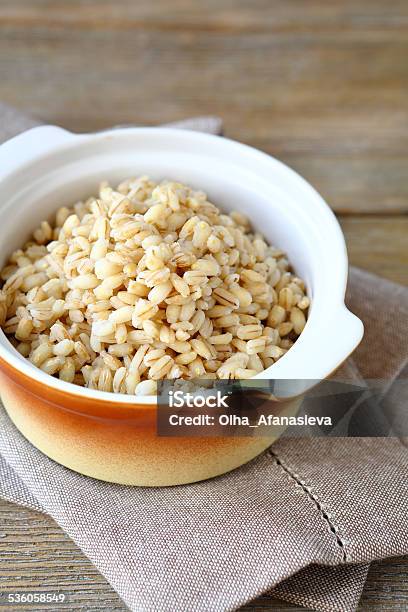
(298, 319)
(145, 282)
(249, 332)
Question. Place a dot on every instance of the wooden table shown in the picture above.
(321, 85)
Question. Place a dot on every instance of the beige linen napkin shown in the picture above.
(301, 521)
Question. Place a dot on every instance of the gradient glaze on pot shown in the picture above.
(118, 443)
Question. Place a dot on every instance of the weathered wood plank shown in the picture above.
(378, 244)
(214, 14)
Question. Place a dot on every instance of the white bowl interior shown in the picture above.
(281, 205)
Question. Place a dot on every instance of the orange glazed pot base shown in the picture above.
(118, 443)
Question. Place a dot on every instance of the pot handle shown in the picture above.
(343, 334)
(30, 144)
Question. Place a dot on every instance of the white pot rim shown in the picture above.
(332, 332)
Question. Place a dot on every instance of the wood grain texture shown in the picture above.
(321, 85)
(378, 244)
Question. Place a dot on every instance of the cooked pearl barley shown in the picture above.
(146, 387)
(24, 329)
(51, 366)
(249, 332)
(41, 353)
(67, 372)
(122, 315)
(64, 348)
(298, 319)
(146, 282)
(256, 346)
